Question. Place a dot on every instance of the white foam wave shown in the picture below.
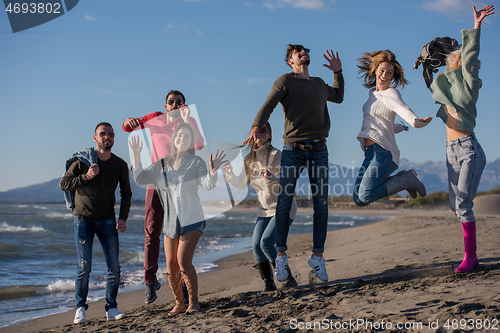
(205, 267)
(214, 216)
(55, 215)
(60, 286)
(69, 286)
(351, 223)
(4, 227)
(135, 257)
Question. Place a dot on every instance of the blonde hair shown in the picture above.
(368, 65)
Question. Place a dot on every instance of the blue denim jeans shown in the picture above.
(376, 168)
(465, 160)
(264, 238)
(293, 161)
(107, 234)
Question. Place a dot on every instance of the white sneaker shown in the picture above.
(281, 265)
(114, 314)
(318, 266)
(80, 316)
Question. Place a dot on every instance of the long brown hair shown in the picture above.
(251, 155)
(368, 65)
(173, 149)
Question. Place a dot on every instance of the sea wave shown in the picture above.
(5, 227)
(21, 291)
(55, 215)
(58, 286)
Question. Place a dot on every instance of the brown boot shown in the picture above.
(174, 281)
(191, 280)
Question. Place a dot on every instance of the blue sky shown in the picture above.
(109, 60)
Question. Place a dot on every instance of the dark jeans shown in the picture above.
(107, 234)
(293, 161)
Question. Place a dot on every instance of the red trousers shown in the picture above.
(153, 224)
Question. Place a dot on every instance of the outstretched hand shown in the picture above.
(480, 15)
(425, 120)
(135, 145)
(216, 162)
(334, 63)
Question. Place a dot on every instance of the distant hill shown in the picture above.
(341, 182)
(51, 192)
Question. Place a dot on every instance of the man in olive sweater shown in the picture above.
(94, 185)
(307, 124)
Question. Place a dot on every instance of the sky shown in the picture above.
(109, 60)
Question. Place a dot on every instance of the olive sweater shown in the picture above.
(304, 104)
(95, 198)
(460, 87)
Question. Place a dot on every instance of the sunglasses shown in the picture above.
(264, 130)
(300, 49)
(108, 134)
(177, 102)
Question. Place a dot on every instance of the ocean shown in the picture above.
(38, 256)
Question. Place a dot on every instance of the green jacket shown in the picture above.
(460, 87)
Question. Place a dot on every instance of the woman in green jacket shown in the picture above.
(457, 90)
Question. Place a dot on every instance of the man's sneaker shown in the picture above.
(80, 316)
(151, 289)
(318, 266)
(281, 268)
(114, 314)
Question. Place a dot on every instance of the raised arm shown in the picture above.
(480, 15)
(136, 147)
(336, 91)
(334, 63)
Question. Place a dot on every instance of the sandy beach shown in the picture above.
(391, 276)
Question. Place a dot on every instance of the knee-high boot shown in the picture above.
(191, 280)
(174, 281)
(470, 257)
(266, 274)
(405, 181)
(410, 191)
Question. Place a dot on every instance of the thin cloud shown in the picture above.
(256, 80)
(305, 4)
(112, 92)
(174, 29)
(450, 6)
(89, 18)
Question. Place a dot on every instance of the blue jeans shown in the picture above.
(465, 160)
(376, 168)
(105, 230)
(293, 161)
(263, 239)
